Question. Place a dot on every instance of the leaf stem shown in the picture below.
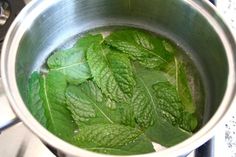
(47, 103)
(176, 75)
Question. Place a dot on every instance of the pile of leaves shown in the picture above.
(115, 95)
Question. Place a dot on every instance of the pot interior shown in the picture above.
(177, 20)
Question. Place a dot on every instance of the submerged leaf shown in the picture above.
(35, 103)
(171, 107)
(88, 106)
(113, 139)
(165, 133)
(141, 46)
(156, 125)
(86, 41)
(184, 90)
(112, 72)
(52, 92)
(142, 108)
(177, 75)
(71, 63)
(143, 102)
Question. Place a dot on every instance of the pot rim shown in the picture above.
(35, 7)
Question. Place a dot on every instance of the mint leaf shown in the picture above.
(172, 108)
(156, 125)
(35, 103)
(142, 108)
(143, 102)
(168, 46)
(112, 72)
(149, 76)
(52, 93)
(113, 139)
(165, 133)
(71, 63)
(86, 41)
(177, 75)
(184, 91)
(88, 106)
(141, 46)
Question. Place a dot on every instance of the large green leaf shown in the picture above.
(52, 92)
(177, 75)
(141, 46)
(157, 125)
(113, 139)
(88, 106)
(71, 63)
(112, 72)
(35, 103)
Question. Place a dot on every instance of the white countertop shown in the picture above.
(227, 9)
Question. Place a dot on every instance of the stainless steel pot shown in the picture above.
(193, 24)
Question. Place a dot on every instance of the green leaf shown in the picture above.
(168, 46)
(184, 90)
(165, 133)
(113, 139)
(71, 63)
(35, 103)
(143, 102)
(177, 75)
(157, 126)
(52, 92)
(128, 116)
(172, 108)
(149, 76)
(141, 46)
(88, 106)
(86, 41)
(142, 108)
(112, 72)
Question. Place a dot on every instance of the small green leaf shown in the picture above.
(88, 106)
(184, 90)
(171, 107)
(35, 103)
(141, 46)
(52, 92)
(168, 46)
(142, 108)
(71, 63)
(177, 75)
(112, 72)
(86, 41)
(113, 139)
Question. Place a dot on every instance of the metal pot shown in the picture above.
(193, 24)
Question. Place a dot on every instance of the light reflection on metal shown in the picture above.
(4, 12)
